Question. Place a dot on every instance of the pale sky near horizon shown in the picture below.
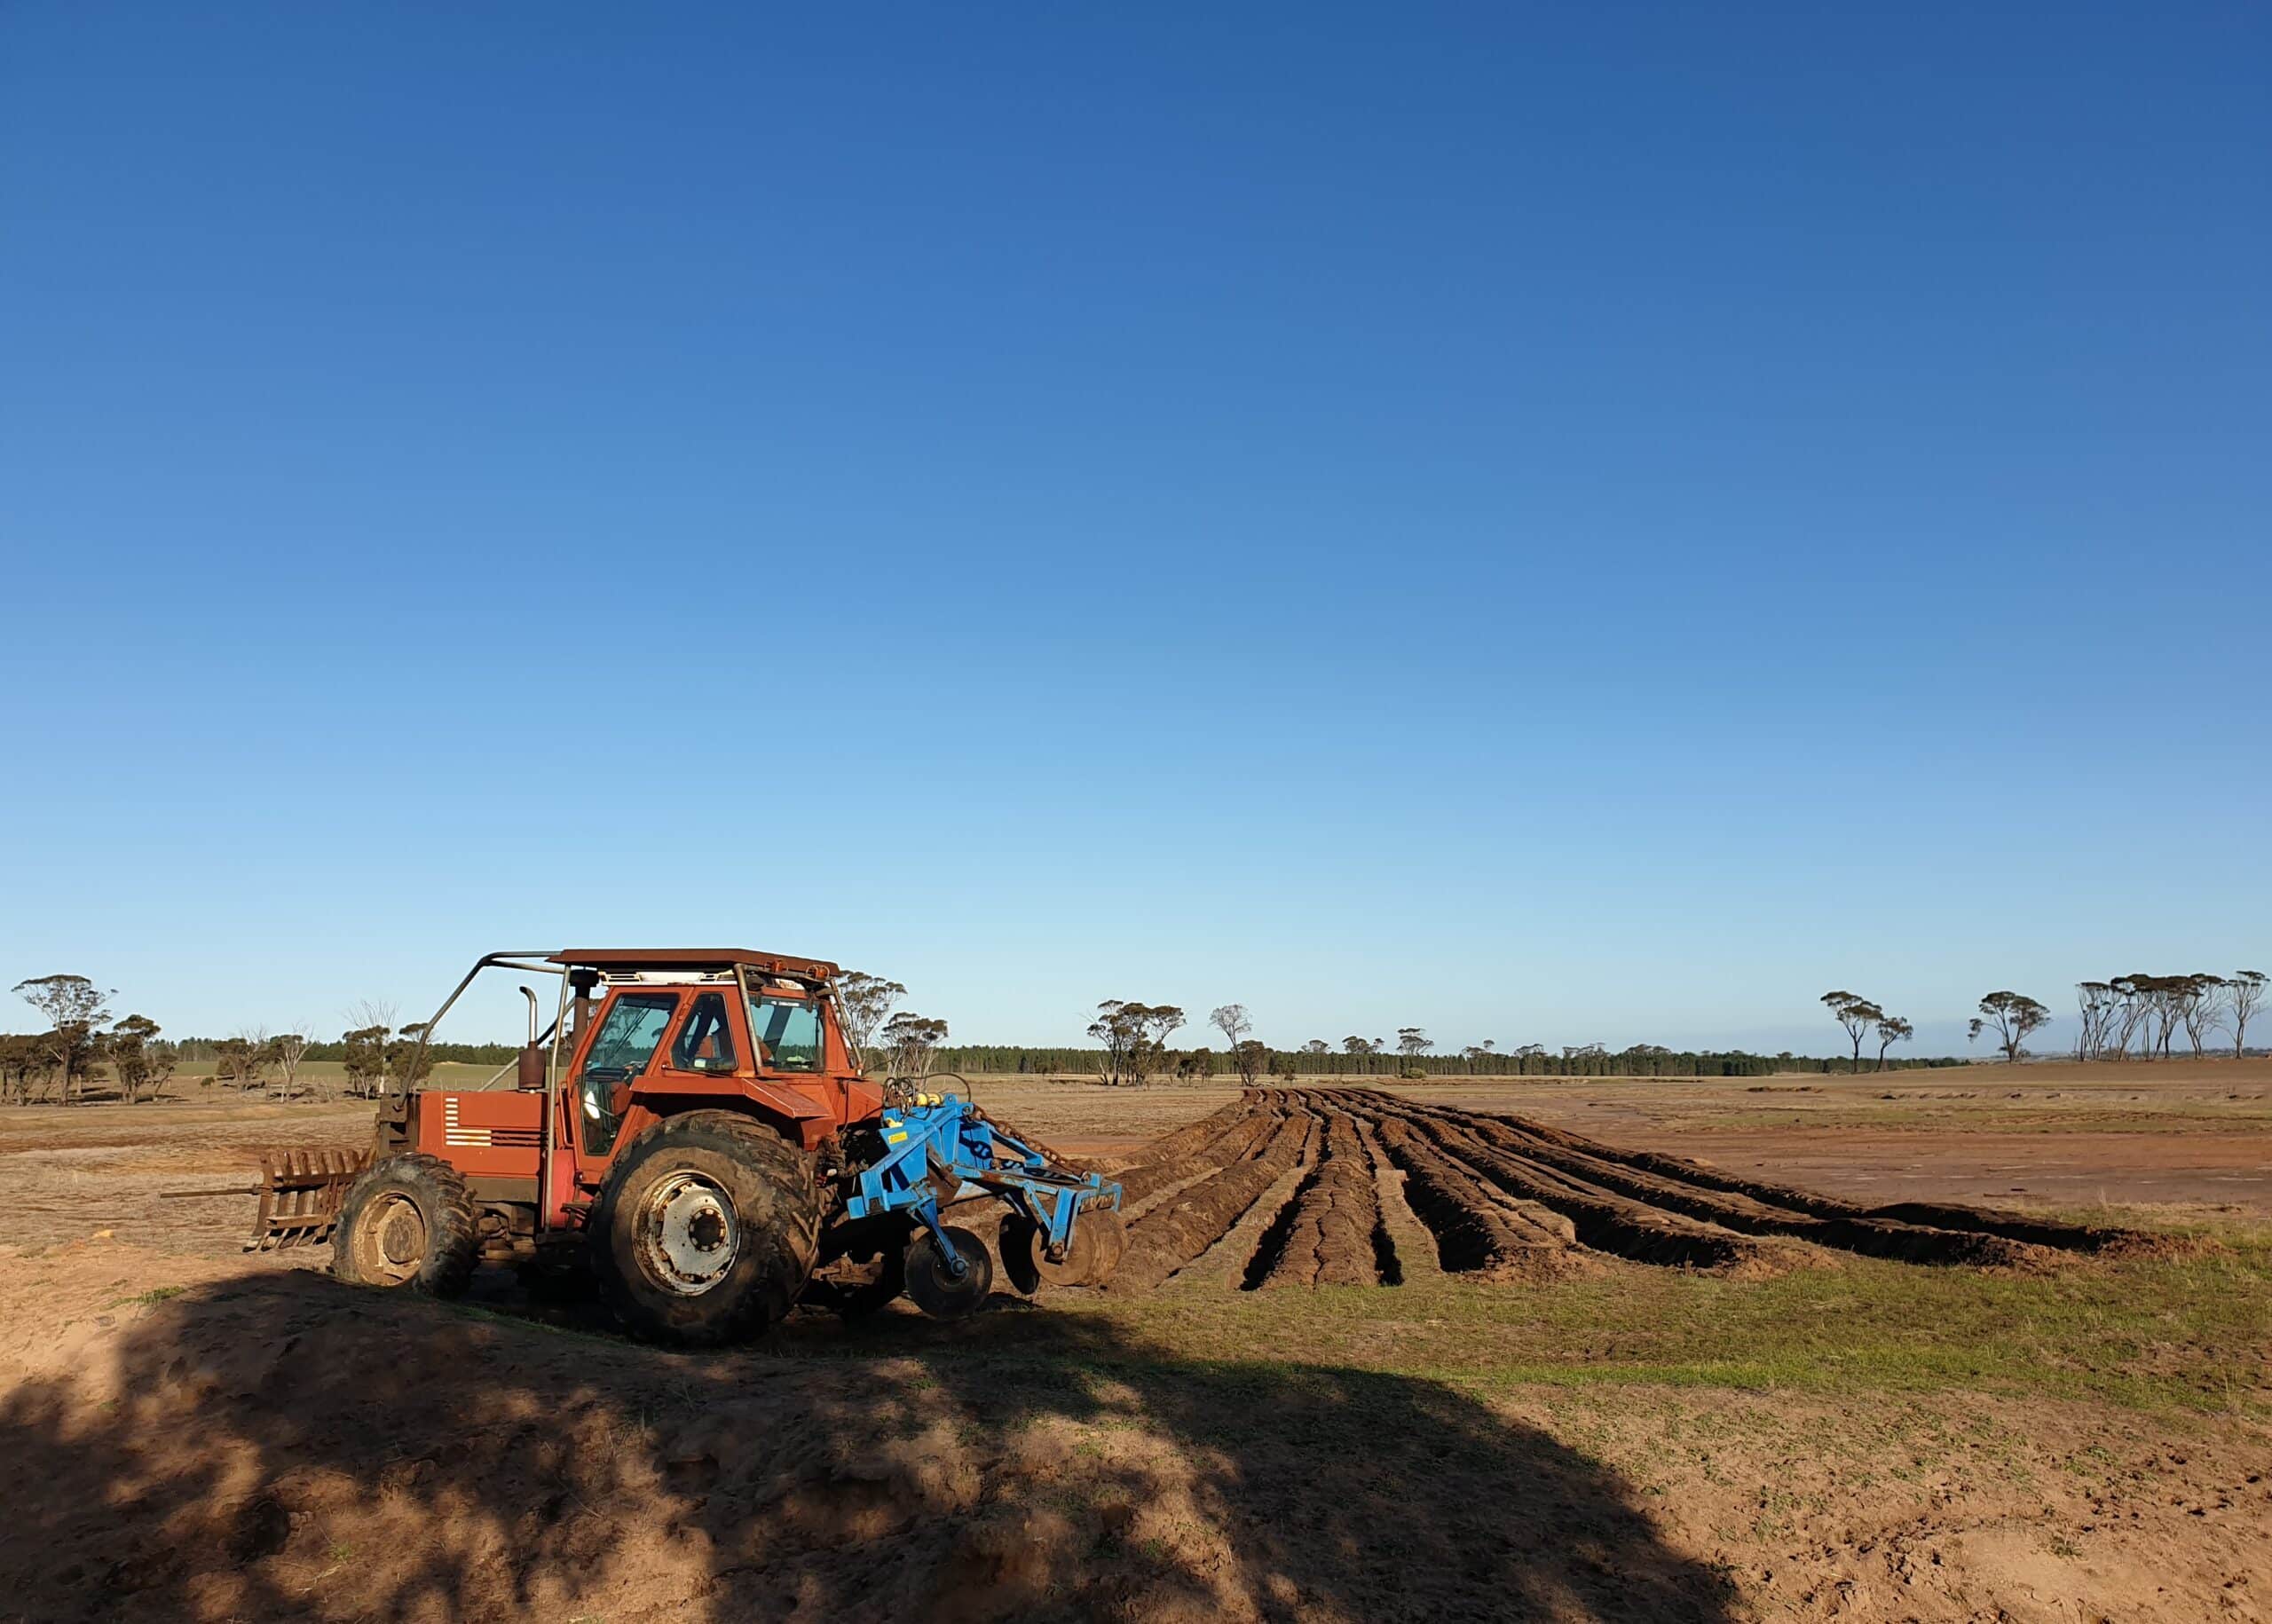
(1559, 524)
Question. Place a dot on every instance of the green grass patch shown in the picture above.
(2187, 1333)
(151, 1298)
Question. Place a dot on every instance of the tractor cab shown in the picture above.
(652, 1031)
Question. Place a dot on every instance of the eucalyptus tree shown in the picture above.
(1892, 1029)
(2243, 997)
(2011, 1016)
(862, 1001)
(1857, 1014)
(912, 1042)
(2098, 1005)
(75, 1008)
(1134, 1036)
(139, 1060)
(2200, 1001)
(1232, 1022)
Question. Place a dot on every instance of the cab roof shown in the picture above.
(697, 958)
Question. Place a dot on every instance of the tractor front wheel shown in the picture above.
(406, 1221)
(706, 1229)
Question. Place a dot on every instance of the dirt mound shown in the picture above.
(1475, 1233)
(1326, 1234)
(1506, 1198)
(1679, 1174)
(1179, 1230)
(1236, 1132)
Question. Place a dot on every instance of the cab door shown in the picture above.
(709, 1044)
(626, 1040)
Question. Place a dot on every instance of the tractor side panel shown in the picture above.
(863, 1101)
(491, 1132)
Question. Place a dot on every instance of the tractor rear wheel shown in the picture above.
(408, 1221)
(706, 1229)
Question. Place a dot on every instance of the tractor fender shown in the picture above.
(797, 1117)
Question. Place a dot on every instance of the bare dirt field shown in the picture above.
(1466, 1348)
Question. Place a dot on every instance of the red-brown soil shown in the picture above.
(1181, 1229)
(1507, 1197)
(2190, 1137)
(1330, 1234)
(195, 1434)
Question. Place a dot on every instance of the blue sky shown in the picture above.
(1590, 523)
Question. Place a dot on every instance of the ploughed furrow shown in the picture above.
(1328, 1229)
(1396, 1215)
(1261, 1235)
(1605, 1220)
(2102, 1239)
(1193, 1137)
(1240, 1137)
(1357, 1187)
(1177, 1231)
(1933, 1216)
(1875, 1237)
(1474, 1233)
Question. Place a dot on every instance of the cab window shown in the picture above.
(629, 1034)
(706, 1042)
(787, 1032)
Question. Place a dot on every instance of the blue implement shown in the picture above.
(945, 1150)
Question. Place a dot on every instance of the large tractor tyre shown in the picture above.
(408, 1221)
(706, 1229)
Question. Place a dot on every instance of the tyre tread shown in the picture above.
(786, 1169)
(453, 1228)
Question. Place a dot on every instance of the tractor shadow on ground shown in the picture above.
(280, 1446)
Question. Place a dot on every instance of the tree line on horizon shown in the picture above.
(83, 1038)
(2125, 1012)
(1132, 1047)
(2146, 1010)
(2151, 1010)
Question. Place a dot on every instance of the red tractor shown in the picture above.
(694, 1127)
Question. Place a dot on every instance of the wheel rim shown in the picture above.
(392, 1243)
(688, 1236)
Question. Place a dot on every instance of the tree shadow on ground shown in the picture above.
(278, 1446)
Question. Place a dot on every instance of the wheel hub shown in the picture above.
(403, 1238)
(396, 1242)
(689, 1237)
